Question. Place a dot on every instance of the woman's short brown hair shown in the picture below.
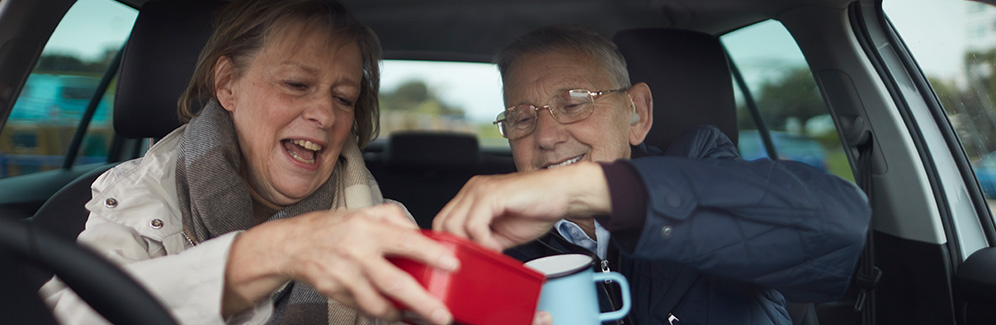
(242, 27)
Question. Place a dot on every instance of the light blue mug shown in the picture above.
(569, 293)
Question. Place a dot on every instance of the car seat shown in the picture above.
(155, 68)
(689, 75)
(425, 169)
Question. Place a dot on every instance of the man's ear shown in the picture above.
(224, 77)
(643, 103)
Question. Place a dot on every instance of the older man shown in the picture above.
(702, 235)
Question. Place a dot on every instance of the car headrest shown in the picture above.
(445, 151)
(689, 75)
(157, 63)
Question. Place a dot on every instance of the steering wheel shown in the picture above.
(108, 289)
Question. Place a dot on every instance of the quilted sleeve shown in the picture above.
(777, 224)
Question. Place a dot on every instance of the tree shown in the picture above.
(414, 96)
(972, 108)
(794, 96)
(70, 64)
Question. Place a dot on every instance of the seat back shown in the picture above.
(689, 75)
(157, 64)
(155, 68)
(425, 169)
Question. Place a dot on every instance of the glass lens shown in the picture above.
(574, 105)
(521, 120)
(517, 121)
(521, 116)
(500, 122)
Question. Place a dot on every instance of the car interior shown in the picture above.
(929, 251)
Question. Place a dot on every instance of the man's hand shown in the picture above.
(501, 211)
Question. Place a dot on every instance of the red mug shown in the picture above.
(488, 288)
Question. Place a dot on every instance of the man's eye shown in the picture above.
(573, 108)
(521, 119)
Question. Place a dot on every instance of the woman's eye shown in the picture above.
(344, 101)
(293, 85)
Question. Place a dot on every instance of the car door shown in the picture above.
(943, 56)
(912, 151)
(900, 93)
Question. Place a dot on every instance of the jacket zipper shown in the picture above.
(605, 289)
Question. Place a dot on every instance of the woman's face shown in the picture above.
(292, 105)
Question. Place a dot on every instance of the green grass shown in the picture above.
(837, 164)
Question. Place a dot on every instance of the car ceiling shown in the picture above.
(473, 30)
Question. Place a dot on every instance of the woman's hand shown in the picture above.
(342, 254)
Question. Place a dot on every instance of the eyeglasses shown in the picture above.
(566, 107)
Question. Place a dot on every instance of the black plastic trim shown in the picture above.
(91, 109)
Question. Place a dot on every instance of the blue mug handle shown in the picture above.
(624, 292)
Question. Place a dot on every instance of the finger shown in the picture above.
(453, 217)
(543, 318)
(348, 284)
(415, 246)
(390, 213)
(478, 225)
(329, 282)
(442, 219)
(400, 286)
(439, 221)
(369, 299)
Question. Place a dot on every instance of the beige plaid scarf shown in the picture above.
(214, 200)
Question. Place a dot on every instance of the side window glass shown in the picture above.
(786, 96)
(954, 43)
(54, 98)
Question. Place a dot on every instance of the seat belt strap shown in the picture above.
(868, 274)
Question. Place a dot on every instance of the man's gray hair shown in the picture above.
(566, 38)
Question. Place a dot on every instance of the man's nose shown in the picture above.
(548, 131)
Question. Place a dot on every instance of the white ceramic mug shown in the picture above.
(569, 293)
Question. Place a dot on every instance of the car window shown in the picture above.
(49, 107)
(787, 98)
(442, 96)
(954, 43)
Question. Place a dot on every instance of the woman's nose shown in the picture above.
(321, 112)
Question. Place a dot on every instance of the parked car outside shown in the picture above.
(985, 171)
(56, 99)
(789, 146)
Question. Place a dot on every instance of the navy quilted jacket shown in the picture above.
(726, 241)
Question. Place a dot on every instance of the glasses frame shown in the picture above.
(592, 95)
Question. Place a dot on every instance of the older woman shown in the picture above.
(263, 208)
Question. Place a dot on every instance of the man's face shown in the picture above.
(604, 136)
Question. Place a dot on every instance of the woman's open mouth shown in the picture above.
(302, 150)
